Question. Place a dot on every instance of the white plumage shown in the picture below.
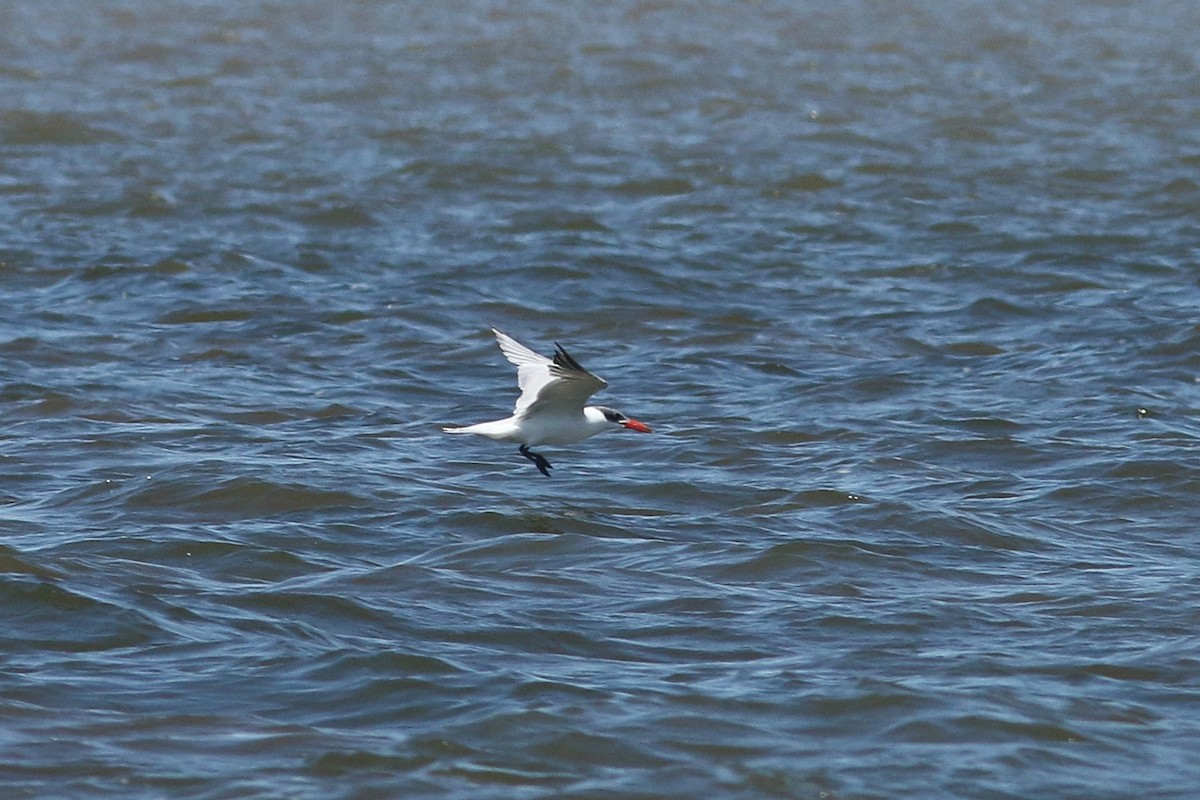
(551, 407)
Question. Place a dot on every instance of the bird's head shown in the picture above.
(617, 418)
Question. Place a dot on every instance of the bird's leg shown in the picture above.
(539, 460)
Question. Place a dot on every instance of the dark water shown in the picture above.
(909, 291)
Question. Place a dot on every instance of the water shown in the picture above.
(908, 291)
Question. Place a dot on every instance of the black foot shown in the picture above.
(538, 460)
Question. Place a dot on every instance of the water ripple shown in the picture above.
(908, 299)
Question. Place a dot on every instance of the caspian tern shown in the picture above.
(551, 407)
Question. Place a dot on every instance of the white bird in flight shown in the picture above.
(551, 407)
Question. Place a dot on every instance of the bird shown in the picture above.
(551, 407)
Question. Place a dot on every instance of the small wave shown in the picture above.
(655, 187)
(240, 497)
(194, 316)
(44, 614)
(34, 128)
(342, 216)
(983, 728)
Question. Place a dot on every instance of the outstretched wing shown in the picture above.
(548, 384)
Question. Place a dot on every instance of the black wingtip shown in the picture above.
(565, 360)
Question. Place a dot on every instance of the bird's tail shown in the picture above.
(498, 430)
